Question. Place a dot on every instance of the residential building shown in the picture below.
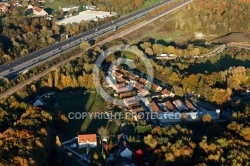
(169, 106)
(143, 81)
(123, 71)
(167, 93)
(189, 104)
(154, 107)
(143, 92)
(85, 140)
(179, 105)
(126, 94)
(125, 150)
(156, 87)
(130, 100)
(4, 8)
(38, 102)
(138, 85)
(117, 74)
(39, 12)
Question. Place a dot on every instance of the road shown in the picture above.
(35, 58)
(120, 34)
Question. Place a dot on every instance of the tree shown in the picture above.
(84, 45)
(95, 156)
(206, 118)
(103, 132)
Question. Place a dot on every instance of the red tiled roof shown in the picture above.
(154, 86)
(118, 75)
(154, 106)
(143, 91)
(126, 94)
(122, 80)
(166, 92)
(169, 105)
(123, 71)
(142, 80)
(189, 104)
(138, 85)
(37, 9)
(83, 138)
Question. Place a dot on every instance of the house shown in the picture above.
(136, 110)
(119, 88)
(143, 92)
(137, 85)
(143, 80)
(39, 12)
(85, 140)
(123, 71)
(169, 105)
(126, 94)
(179, 105)
(125, 150)
(130, 100)
(157, 88)
(117, 75)
(189, 105)
(154, 107)
(38, 101)
(121, 80)
(4, 8)
(167, 93)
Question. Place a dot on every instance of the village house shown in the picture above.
(167, 93)
(189, 105)
(38, 102)
(39, 12)
(130, 100)
(156, 88)
(143, 81)
(85, 140)
(125, 94)
(143, 92)
(169, 106)
(154, 107)
(117, 74)
(4, 8)
(125, 150)
(123, 71)
(138, 85)
(179, 105)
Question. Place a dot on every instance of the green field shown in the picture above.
(72, 102)
(56, 4)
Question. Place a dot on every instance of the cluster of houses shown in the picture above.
(7, 7)
(142, 101)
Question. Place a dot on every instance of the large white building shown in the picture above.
(87, 15)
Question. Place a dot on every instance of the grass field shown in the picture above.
(72, 102)
(56, 4)
(156, 30)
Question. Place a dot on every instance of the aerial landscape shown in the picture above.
(125, 83)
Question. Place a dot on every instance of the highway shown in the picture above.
(35, 58)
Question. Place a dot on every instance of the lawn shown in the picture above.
(73, 101)
(56, 4)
